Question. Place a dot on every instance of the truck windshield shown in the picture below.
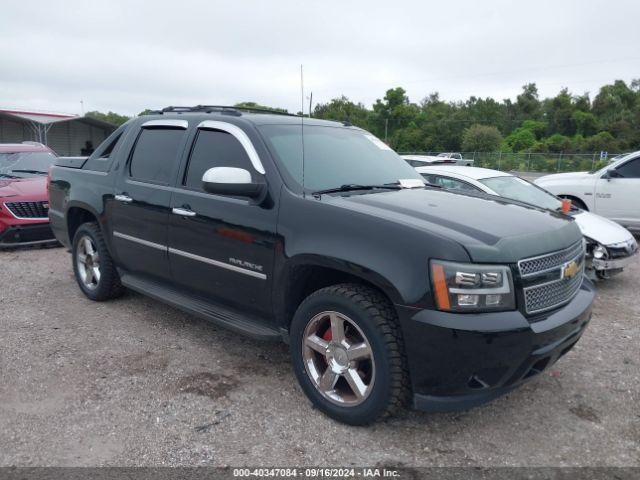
(25, 164)
(335, 156)
(518, 189)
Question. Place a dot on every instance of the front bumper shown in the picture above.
(613, 264)
(27, 235)
(459, 361)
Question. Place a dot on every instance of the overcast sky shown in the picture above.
(125, 55)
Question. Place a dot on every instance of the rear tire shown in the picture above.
(93, 266)
(360, 375)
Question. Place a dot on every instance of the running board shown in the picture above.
(208, 311)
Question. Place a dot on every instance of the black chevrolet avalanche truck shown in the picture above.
(388, 290)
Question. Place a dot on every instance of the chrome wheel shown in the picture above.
(338, 358)
(88, 263)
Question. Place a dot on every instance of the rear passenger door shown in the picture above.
(220, 247)
(141, 205)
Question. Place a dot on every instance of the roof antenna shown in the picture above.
(302, 125)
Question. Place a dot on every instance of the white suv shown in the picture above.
(613, 191)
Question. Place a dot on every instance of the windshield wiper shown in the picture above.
(6, 175)
(36, 172)
(350, 187)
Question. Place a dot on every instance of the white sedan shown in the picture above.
(610, 247)
(612, 191)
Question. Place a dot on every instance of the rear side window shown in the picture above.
(100, 159)
(155, 155)
(214, 148)
(106, 153)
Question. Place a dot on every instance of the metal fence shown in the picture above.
(533, 162)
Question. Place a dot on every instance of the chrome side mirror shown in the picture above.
(231, 181)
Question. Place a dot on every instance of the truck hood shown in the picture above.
(600, 229)
(491, 229)
(563, 177)
(32, 188)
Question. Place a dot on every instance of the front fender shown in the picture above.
(344, 266)
(391, 255)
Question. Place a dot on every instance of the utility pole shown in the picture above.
(386, 129)
(302, 90)
(82, 108)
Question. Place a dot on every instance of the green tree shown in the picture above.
(528, 105)
(110, 117)
(586, 122)
(481, 138)
(614, 102)
(559, 111)
(520, 140)
(257, 106)
(342, 109)
(393, 112)
(537, 128)
(602, 141)
(558, 143)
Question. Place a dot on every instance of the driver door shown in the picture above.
(221, 247)
(617, 196)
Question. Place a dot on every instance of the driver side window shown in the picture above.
(214, 148)
(630, 169)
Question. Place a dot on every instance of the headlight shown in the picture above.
(599, 252)
(468, 287)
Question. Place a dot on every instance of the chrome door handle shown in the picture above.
(123, 198)
(183, 212)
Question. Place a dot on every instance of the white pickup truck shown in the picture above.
(613, 191)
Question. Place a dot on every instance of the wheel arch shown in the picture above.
(305, 274)
(574, 198)
(78, 213)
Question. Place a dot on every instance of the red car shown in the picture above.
(24, 205)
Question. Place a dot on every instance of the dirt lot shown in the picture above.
(133, 382)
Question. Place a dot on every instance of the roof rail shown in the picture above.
(230, 110)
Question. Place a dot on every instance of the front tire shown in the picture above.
(348, 354)
(93, 266)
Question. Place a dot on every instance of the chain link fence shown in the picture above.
(532, 162)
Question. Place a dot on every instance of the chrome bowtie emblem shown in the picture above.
(570, 270)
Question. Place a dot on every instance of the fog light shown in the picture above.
(493, 300)
(467, 300)
(599, 252)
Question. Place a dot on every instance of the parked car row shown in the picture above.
(610, 247)
(390, 291)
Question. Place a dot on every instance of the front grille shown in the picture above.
(29, 209)
(550, 261)
(551, 280)
(553, 294)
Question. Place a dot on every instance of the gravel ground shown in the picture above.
(133, 382)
